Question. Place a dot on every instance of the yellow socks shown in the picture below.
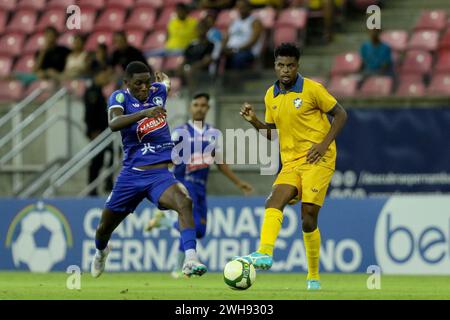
(312, 245)
(270, 229)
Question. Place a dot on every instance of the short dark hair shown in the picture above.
(135, 67)
(181, 6)
(287, 50)
(201, 95)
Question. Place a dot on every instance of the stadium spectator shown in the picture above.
(96, 119)
(77, 62)
(376, 56)
(215, 37)
(51, 58)
(278, 4)
(182, 30)
(101, 59)
(124, 53)
(197, 56)
(243, 41)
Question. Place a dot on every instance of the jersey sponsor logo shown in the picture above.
(148, 125)
(136, 105)
(158, 101)
(120, 97)
(298, 103)
(199, 161)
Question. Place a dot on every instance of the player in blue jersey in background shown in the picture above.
(202, 140)
(139, 113)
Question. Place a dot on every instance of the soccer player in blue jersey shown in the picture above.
(202, 139)
(139, 113)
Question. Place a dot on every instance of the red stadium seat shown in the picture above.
(294, 17)
(432, 20)
(5, 66)
(411, 87)
(155, 40)
(88, 16)
(343, 86)
(34, 43)
(23, 21)
(266, 16)
(141, 19)
(225, 18)
(156, 4)
(136, 38)
(164, 18)
(284, 34)
(377, 86)
(111, 20)
(156, 63)
(443, 62)
(36, 5)
(3, 18)
(12, 44)
(416, 62)
(10, 90)
(172, 63)
(346, 63)
(444, 43)
(396, 39)
(25, 64)
(60, 4)
(54, 17)
(66, 39)
(99, 37)
(120, 4)
(8, 5)
(424, 40)
(91, 4)
(76, 87)
(440, 85)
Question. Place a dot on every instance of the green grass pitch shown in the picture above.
(268, 286)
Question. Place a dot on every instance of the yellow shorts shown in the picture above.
(311, 181)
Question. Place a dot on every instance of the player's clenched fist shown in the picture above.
(247, 112)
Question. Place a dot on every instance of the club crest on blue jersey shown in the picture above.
(298, 103)
(148, 125)
(158, 101)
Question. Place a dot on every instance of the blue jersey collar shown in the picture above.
(298, 86)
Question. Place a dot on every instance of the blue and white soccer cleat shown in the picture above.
(313, 285)
(194, 268)
(259, 260)
(99, 262)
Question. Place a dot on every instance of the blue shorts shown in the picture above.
(132, 186)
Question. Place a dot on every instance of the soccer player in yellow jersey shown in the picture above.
(297, 107)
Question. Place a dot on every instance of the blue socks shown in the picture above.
(188, 237)
(100, 245)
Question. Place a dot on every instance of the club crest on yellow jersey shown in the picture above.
(298, 103)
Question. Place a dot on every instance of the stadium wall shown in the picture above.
(400, 234)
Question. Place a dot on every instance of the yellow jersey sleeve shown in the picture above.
(267, 101)
(324, 100)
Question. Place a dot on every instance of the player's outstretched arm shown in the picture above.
(249, 115)
(245, 187)
(117, 120)
(339, 118)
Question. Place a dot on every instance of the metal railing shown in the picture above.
(20, 106)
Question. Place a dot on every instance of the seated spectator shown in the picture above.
(182, 30)
(96, 119)
(243, 41)
(217, 5)
(215, 37)
(376, 56)
(77, 62)
(124, 53)
(197, 56)
(100, 60)
(278, 4)
(51, 58)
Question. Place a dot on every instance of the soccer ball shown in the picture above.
(239, 274)
(26, 250)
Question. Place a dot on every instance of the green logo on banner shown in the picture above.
(120, 98)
